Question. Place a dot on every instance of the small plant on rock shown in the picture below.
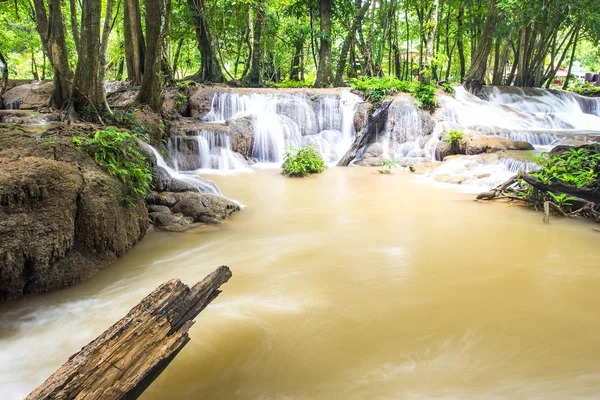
(302, 162)
(386, 166)
(453, 137)
(117, 151)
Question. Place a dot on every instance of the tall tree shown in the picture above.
(157, 12)
(88, 88)
(255, 76)
(475, 77)
(210, 70)
(135, 47)
(324, 78)
(52, 34)
(348, 41)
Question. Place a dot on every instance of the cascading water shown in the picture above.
(537, 116)
(202, 185)
(288, 120)
(205, 149)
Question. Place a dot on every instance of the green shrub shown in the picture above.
(292, 84)
(374, 89)
(128, 120)
(425, 96)
(386, 166)
(447, 87)
(572, 167)
(117, 151)
(302, 162)
(586, 89)
(454, 137)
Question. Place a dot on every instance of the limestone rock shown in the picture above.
(28, 96)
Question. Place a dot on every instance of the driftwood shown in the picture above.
(123, 361)
(375, 124)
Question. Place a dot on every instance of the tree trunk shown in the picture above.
(339, 73)
(566, 85)
(255, 76)
(426, 77)
(53, 41)
(108, 20)
(297, 59)
(554, 70)
(176, 57)
(324, 78)
(74, 23)
(150, 90)
(124, 360)
(88, 89)
(135, 48)
(4, 74)
(459, 42)
(475, 77)
(210, 70)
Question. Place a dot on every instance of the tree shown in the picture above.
(254, 77)
(135, 46)
(475, 77)
(324, 78)
(210, 70)
(348, 41)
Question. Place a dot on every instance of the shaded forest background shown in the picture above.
(82, 43)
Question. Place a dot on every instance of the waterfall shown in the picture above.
(204, 149)
(202, 185)
(284, 120)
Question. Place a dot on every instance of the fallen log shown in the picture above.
(123, 361)
(375, 124)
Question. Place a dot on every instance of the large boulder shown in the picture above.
(241, 131)
(361, 116)
(73, 208)
(472, 145)
(200, 207)
(372, 154)
(28, 96)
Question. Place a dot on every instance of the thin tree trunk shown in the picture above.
(34, 68)
(513, 70)
(108, 24)
(4, 74)
(177, 55)
(553, 72)
(297, 59)
(459, 42)
(135, 47)
(43, 65)
(324, 78)
(566, 85)
(339, 74)
(426, 78)
(210, 69)
(74, 23)
(53, 41)
(255, 76)
(475, 77)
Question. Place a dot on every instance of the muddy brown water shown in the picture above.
(348, 285)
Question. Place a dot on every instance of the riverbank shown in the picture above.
(447, 290)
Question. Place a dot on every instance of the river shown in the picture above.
(348, 285)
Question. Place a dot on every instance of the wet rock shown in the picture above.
(423, 168)
(29, 117)
(241, 131)
(73, 208)
(200, 98)
(162, 199)
(361, 116)
(372, 155)
(491, 144)
(158, 209)
(122, 99)
(28, 96)
(205, 208)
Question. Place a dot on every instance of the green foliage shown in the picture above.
(180, 99)
(454, 137)
(587, 89)
(302, 162)
(448, 88)
(425, 97)
(128, 120)
(386, 166)
(374, 89)
(562, 200)
(117, 151)
(573, 167)
(292, 84)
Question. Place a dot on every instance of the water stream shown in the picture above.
(348, 285)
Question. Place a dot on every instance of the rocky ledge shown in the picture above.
(62, 217)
